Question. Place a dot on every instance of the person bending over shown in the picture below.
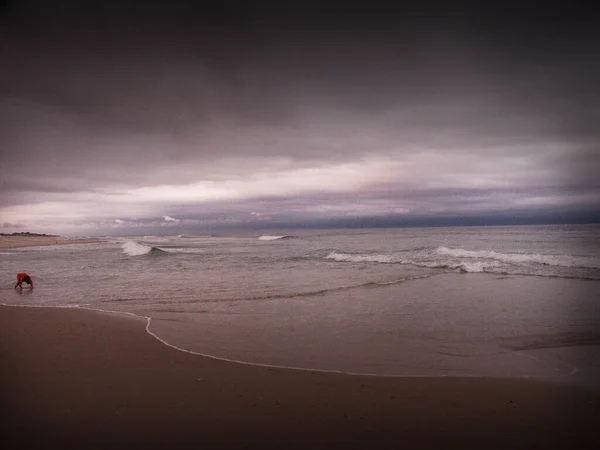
(23, 278)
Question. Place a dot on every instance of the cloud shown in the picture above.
(373, 116)
(11, 225)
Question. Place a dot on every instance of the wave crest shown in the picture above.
(132, 248)
(267, 237)
(516, 258)
(348, 257)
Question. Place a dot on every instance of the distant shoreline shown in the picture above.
(12, 241)
(28, 234)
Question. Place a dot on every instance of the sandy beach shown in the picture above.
(98, 380)
(35, 241)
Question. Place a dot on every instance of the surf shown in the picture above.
(520, 258)
(267, 237)
(132, 248)
(467, 261)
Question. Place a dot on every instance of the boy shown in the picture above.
(23, 277)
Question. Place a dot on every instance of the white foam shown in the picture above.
(384, 259)
(266, 237)
(551, 260)
(476, 267)
(132, 248)
(473, 267)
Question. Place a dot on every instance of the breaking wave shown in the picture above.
(383, 259)
(474, 267)
(516, 258)
(132, 248)
(266, 237)
(467, 261)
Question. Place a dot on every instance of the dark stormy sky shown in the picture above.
(138, 117)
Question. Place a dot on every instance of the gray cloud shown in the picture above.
(162, 111)
(10, 225)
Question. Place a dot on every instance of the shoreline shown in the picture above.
(561, 365)
(147, 320)
(8, 242)
(91, 377)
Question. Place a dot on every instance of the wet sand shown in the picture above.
(86, 379)
(35, 241)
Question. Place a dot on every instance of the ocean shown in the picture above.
(508, 301)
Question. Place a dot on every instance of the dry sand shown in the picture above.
(86, 379)
(34, 241)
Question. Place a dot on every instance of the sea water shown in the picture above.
(515, 301)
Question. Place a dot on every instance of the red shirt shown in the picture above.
(21, 275)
